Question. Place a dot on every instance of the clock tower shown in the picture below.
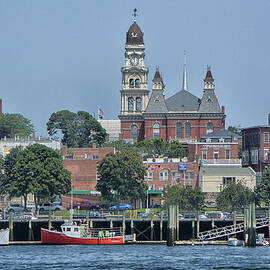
(134, 93)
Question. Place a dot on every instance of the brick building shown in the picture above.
(256, 147)
(82, 163)
(162, 172)
(182, 116)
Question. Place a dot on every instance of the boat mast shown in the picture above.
(71, 203)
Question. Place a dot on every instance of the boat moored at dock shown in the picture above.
(74, 234)
(4, 237)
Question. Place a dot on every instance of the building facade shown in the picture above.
(256, 148)
(82, 163)
(182, 117)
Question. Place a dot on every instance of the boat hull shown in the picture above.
(50, 237)
(234, 242)
(4, 237)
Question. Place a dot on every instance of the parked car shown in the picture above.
(86, 206)
(15, 207)
(122, 206)
(24, 216)
(214, 215)
(49, 207)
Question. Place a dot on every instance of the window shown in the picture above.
(265, 154)
(176, 176)
(178, 130)
(95, 157)
(156, 131)
(189, 175)
(138, 104)
(216, 154)
(76, 229)
(227, 180)
(204, 153)
(187, 130)
(130, 104)
(137, 83)
(134, 133)
(227, 154)
(149, 176)
(163, 176)
(68, 229)
(209, 127)
(131, 82)
(266, 137)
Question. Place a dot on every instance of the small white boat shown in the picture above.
(4, 237)
(234, 242)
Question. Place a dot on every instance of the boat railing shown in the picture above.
(105, 232)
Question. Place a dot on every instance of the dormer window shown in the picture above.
(156, 99)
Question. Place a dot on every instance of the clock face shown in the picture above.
(134, 61)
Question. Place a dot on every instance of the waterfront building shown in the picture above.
(183, 116)
(256, 147)
(82, 163)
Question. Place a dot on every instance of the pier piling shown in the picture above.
(171, 226)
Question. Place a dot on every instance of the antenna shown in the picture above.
(134, 14)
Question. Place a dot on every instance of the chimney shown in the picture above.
(223, 109)
(268, 119)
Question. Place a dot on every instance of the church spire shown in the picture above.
(184, 86)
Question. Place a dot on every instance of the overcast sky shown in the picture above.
(67, 54)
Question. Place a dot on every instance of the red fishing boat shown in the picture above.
(73, 234)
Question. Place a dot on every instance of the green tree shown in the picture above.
(234, 196)
(37, 169)
(12, 125)
(185, 196)
(120, 145)
(78, 129)
(236, 130)
(121, 177)
(263, 189)
(157, 148)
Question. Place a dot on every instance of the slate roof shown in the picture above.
(183, 101)
(209, 102)
(134, 35)
(157, 102)
(226, 170)
(222, 133)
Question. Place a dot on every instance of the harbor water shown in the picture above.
(133, 257)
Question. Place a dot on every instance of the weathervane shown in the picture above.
(134, 14)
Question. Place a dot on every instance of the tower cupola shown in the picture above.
(209, 81)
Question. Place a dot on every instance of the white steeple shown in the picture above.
(184, 86)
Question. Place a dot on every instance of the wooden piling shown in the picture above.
(50, 220)
(87, 218)
(132, 226)
(252, 229)
(171, 225)
(30, 231)
(11, 226)
(268, 222)
(234, 221)
(212, 223)
(111, 223)
(152, 229)
(193, 228)
(161, 227)
(177, 223)
(124, 222)
(198, 223)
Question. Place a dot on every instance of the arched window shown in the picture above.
(209, 127)
(156, 131)
(131, 82)
(187, 130)
(138, 104)
(130, 104)
(134, 133)
(178, 130)
(137, 83)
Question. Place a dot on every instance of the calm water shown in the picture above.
(134, 257)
